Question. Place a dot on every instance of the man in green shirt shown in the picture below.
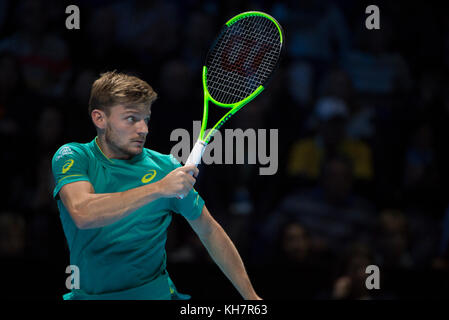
(116, 200)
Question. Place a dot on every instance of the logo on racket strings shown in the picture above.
(249, 48)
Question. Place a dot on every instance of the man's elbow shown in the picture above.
(80, 218)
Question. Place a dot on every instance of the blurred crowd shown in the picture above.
(363, 132)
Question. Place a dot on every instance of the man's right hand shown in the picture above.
(179, 182)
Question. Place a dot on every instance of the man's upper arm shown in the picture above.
(73, 195)
(69, 164)
(204, 224)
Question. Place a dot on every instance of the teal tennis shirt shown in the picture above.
(120, 258)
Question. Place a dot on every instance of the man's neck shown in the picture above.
(109, 152)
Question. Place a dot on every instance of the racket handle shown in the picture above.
(196, 154)
(195, 157)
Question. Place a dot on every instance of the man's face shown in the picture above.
(126, 129)
(296, 242)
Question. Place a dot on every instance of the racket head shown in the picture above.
(242, 58)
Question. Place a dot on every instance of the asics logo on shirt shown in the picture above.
(67, 165)
(149, 176)
(63, 152)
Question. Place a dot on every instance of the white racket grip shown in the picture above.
(196, 154)
(195, 157)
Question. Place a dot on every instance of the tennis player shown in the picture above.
(116, 200)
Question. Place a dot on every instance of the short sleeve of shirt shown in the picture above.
(69, 164)
(192, 205)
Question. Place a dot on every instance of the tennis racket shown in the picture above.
(238, 66)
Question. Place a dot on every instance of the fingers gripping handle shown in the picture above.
(195, 157)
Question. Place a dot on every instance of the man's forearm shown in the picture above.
(226, 256)
(93, 210)
(103, 209)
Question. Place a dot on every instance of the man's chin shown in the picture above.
(134, 151)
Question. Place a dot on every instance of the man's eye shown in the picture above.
(131, 119)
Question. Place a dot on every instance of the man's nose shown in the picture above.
(142, 128)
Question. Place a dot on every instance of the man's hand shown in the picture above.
(179, 182)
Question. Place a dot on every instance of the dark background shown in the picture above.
(363, 133)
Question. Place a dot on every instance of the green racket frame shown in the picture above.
(234, 106)
(202, 141)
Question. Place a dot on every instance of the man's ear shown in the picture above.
(99, 118)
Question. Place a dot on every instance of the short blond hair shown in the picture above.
(113, 88)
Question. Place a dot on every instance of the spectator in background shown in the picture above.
(394, 240)
(406, 245)
(316, 28)
(294, 244)
(333, 214)
(148, 29)
(406, 239)
(382, 83)
(377, 72)
(296, 248)
(318, 35)
(307, 155)
(43, 56)
(295, 261)
(360, 123)
(351, 281)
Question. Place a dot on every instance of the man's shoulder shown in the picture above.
(161, 158)
(71, 149)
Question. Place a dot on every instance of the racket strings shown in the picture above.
(242, 59)
(228, 86)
